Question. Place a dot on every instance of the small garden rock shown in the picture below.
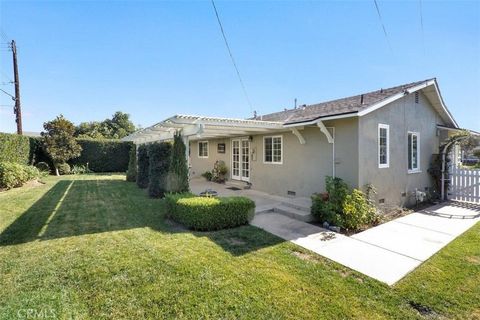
(335, 229)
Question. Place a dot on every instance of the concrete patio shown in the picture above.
(295, 207)
(387, 252)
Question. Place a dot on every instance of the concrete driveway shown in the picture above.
(387, 252)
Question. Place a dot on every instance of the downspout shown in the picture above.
(333, 153)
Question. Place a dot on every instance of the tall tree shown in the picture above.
(117, 127)
(178, 175)
(59, 141)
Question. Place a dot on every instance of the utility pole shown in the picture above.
(17, 109)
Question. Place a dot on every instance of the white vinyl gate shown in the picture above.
(464, 185)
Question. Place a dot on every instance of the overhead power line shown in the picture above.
(383, 24)
(421, 25)
(8, 94)
(231, 57)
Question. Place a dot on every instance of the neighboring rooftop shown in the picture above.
(341, 106)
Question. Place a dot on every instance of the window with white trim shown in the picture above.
(413, 146)
(272, 149)
(203, 149)
(383, 145)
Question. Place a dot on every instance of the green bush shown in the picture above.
(329, 208)
(14, 148)
(344, 208)
(142, 166)
(357, 211)
(159, 154)
(206, 214)
(15, 175)
(208, 175)
(43, 167)
(80, 169)
(132, 165)
(104, 155)
(63, 168)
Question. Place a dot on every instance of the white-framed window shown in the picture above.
(383, 145)
(413, 151)
(273, 149)
(203, 149)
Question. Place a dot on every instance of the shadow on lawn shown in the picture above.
(79, 207)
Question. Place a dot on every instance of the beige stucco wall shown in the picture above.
(200, 165)
(402, 116)
(304, 166)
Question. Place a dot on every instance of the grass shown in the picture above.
(96, 247)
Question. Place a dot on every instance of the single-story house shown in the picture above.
(385, 138)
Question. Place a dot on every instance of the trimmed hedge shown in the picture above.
(142, 166)
(159, 155)
(14, 175)
(208, 214)
(15, 148)
(132, 165)
(104, 155)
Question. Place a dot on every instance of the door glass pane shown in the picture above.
(236, 158)
(245, 158)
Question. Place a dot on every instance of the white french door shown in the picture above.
(241, 159)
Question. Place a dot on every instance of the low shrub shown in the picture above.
(328, 207)
(357, 211)
(132, 165)
(208, 213)
(159, 154)
(142, 166)
(219, 171)
(15, 175)
(208, 175)
(43, 167)
(341, 207)
(80, 169)
(63, 168)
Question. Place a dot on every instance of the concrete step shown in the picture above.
(301, 215)
(237, 184)
(298, 204)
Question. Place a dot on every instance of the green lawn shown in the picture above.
(94, 246)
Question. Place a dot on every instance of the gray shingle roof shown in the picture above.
(337, 107)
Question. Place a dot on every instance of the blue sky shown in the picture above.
(154, 59)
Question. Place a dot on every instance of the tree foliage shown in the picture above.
(117, 127)
(159, 156)
(59, 141)
(178, 176)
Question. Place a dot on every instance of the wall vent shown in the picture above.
(381, 200)
(416, 97)
(291, 193)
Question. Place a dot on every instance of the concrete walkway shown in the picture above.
(387, 252)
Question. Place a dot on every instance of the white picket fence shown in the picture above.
(464, 185)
